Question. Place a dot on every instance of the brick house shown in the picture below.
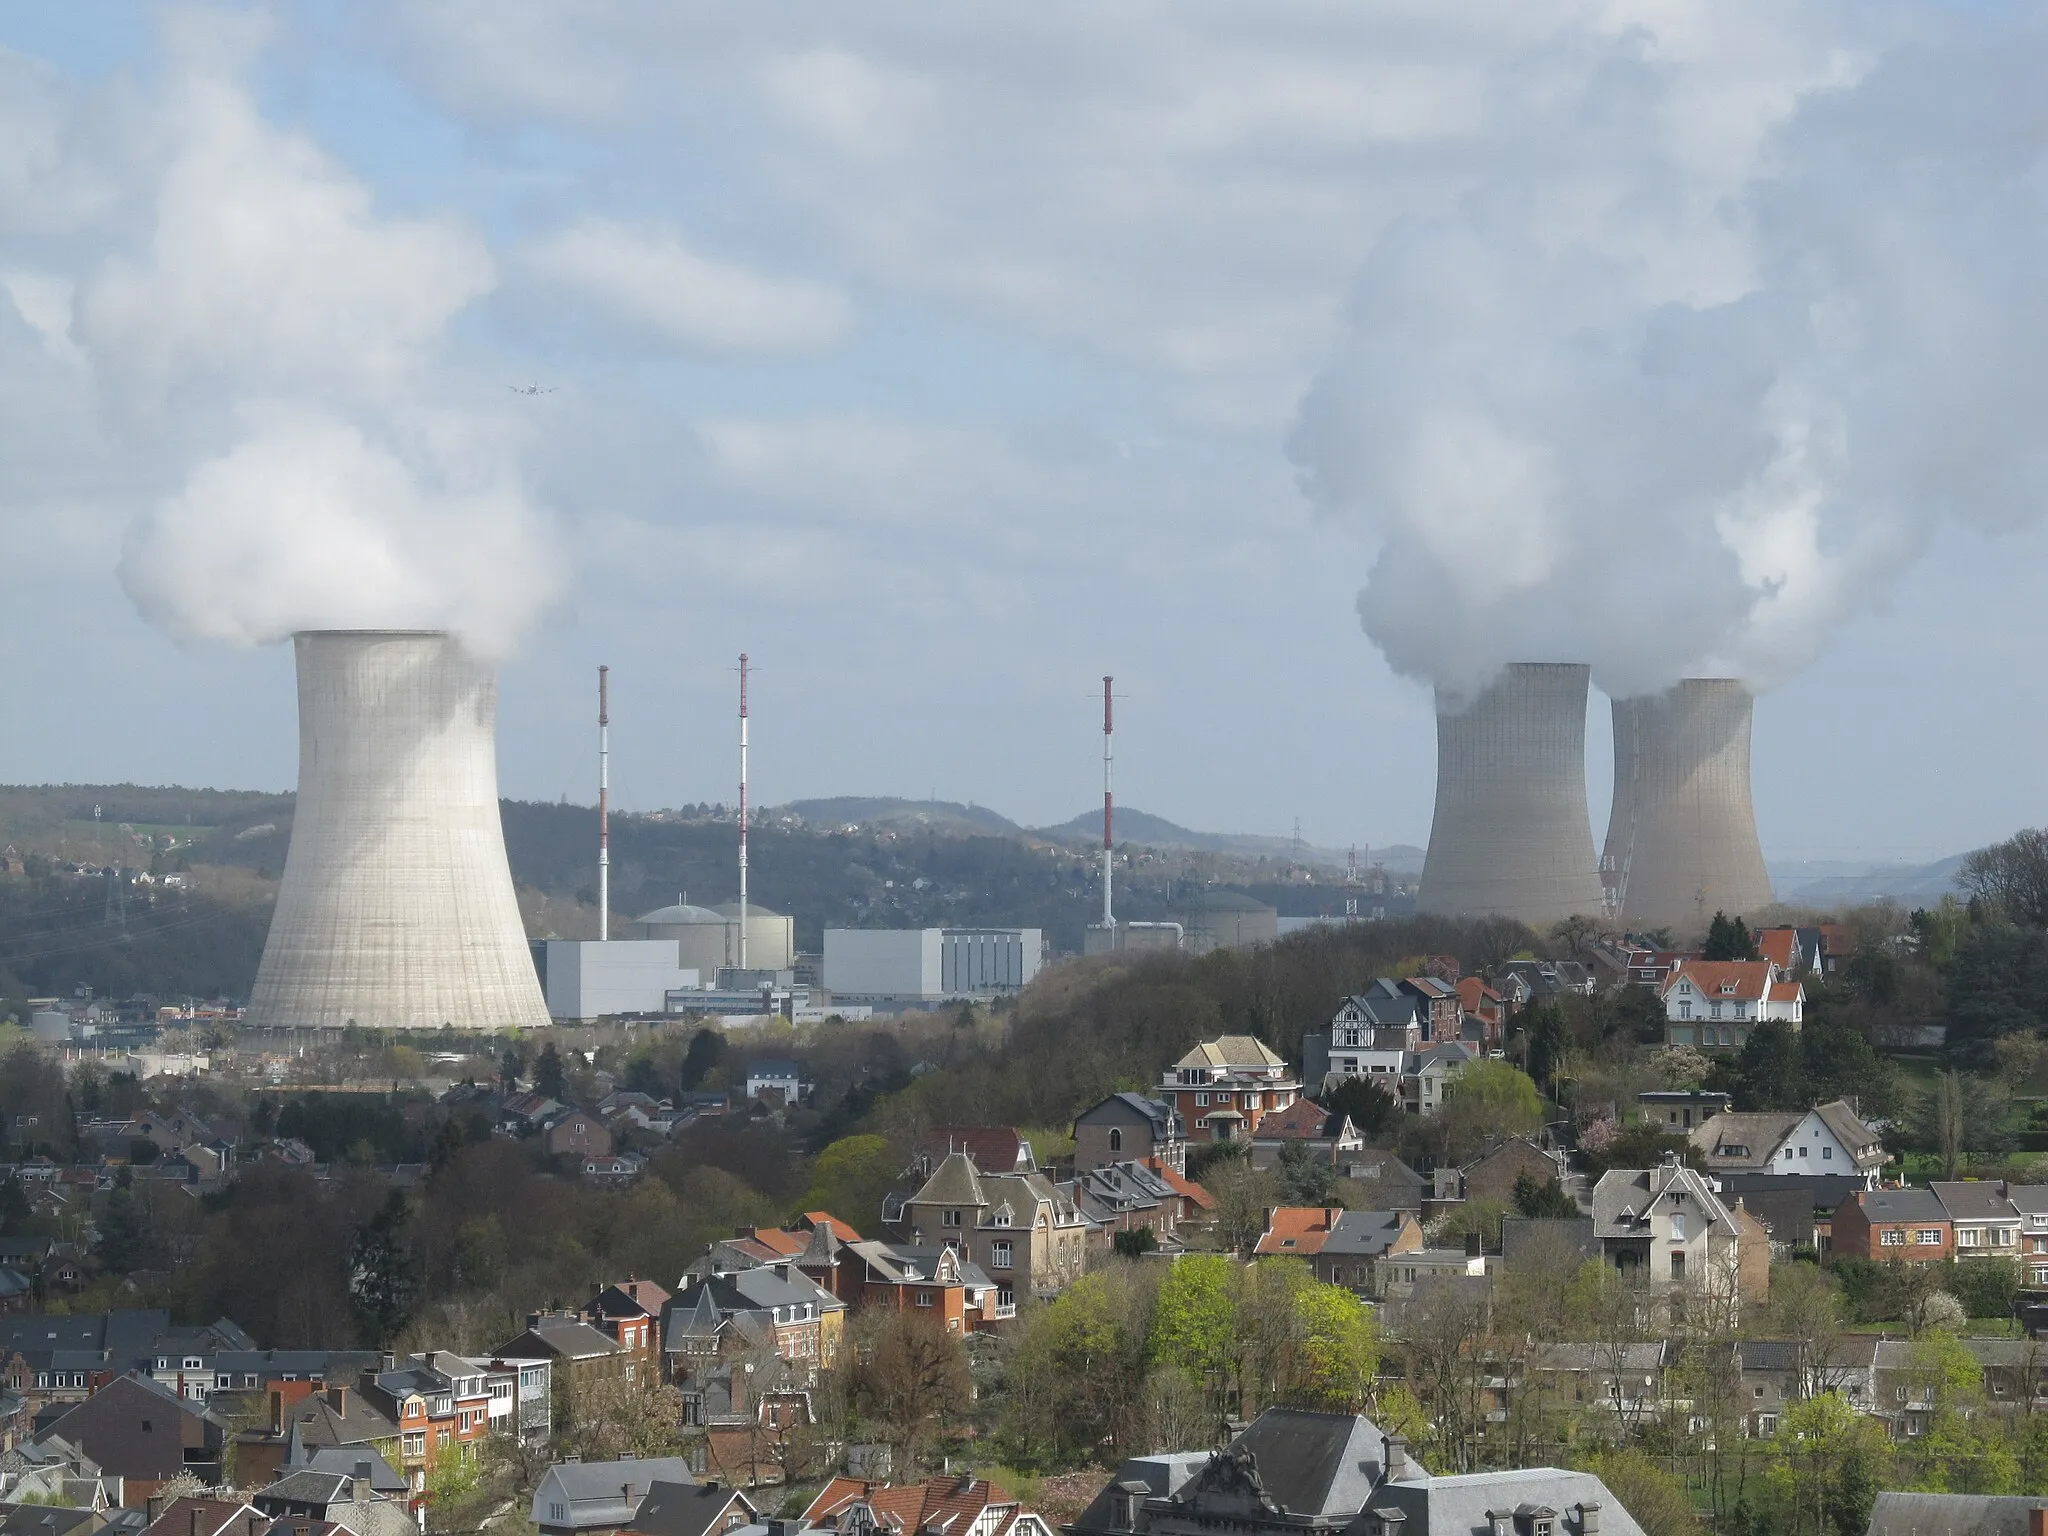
(1332, 1139)
(578, 1134)
(630, 1315)
(1910, 1225)
(1342, 1247)
(580, 1356)
(1223, 1088)
(441, 1404)
(1018, 1229)
(935, 1281)
(1492, 1175)
(776, 1306)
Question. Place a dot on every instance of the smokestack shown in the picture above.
(1511, 833)
(1681, 839)
(604, 804)
(396, 910)
(742, 809)
(1108, 804)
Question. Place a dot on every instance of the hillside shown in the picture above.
(841, 811)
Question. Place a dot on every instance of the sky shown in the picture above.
(1285, 361)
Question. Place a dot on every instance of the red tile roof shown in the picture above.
(991, 1148)
(945, 1505)
(810, 1221)
(1297, 1229)
(1183, 1186)
(1303, 1120)
(1780, 946)
(1724, 980)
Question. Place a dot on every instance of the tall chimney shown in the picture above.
(604, 804)
(1511, 835)
(1108, 804)
(1681, 838)
(743, 810)
(396, 910)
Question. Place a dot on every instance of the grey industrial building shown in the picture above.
(396, 909)
(1224, 919)
(709, 937)
(1512, 834)
(587, 979)
(929, 964)
(1681, 839)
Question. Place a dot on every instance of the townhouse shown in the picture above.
(1983, 1221)
(954, 1504)
(441, 1404)
(1130, 1127)
(2031, 1201)
(1668, 1228)
(1347, 1248)
(935, 1281)
(1223, 1088)
(770, 1306)
(629, 1314)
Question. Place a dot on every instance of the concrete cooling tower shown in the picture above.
(1681, 840)
(1512, 834)
(396, 909)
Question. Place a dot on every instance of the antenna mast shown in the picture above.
(743, 810)
(1108, 803)
(604, 805)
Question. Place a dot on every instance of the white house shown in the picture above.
(1827, 1139)
(1715, 1003)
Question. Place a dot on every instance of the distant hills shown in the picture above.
(1131, 825)
(1838, 885)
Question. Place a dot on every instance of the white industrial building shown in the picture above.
(710, 936)
(589, 979)
(930, 964)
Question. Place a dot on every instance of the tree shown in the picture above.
(706, 1053)
(1728, 938)
(547, 1073)
(1195, 1316)
(2011, 877)
(1657, 1500)
(384, 1277)
(911, 1375)
(1134, 1243)
(1545, 1033)
(1244, 1195)
(850, 1178)
(1306, 1175)
(1337, 1354)
(1370, 1107)
(1485, 1100)
(1542, 1198)
(1770, 1072)
(123, 1235)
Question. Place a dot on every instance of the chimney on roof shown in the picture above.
(1473, 1248)
(193, 1520)
(1589, 1518)
(337, 1398)
(533, 1319)
(1394, 1451)
(390, 1361)
(360, 1489)
(276, 1411)
(2037, 1520)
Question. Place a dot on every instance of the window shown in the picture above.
(415, 1444)
(1927, 1237)
(1802, 1151)
(2004, 1237)
(1678, 1225)
(1788, 1154)
(1678, 1266)
(1767, 1424)
(1201, 1101)
(558, 1512)
(1827, 1154)
(952, 1218)
(1716, 1007)
(1005, 1297)
(999, 1255)
(1969, 1237)
(1116, 1140)
(1891, 1237)
(2041, 1274)
(1685, 1010)
(924, 1298)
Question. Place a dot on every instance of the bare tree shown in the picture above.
(2011, 876)
(912, 1376)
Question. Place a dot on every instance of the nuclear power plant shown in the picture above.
(1512, 834)
(1681, 839)
(396, 910)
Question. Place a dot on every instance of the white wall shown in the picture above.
(590, 980)
(883, 962)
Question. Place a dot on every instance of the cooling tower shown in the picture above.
(396, 909)
(1512, 834)
(1681, 840)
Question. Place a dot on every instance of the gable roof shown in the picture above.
(1181, 1184)
(1366, 1234)
(1463, 1503)
(940, 1506)
(1939, 1514)
(567, 1338)
(1723, 980)
(1127, 1107)
(1322, 1465)
(1296, 1229)
(1744, 1139)
(1305, 1120)
(954, 1182)
(1624, 1198)
(686, 1509)
(1900, 1205)
(991, 1148)
(604, 1493)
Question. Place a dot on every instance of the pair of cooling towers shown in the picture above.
(1512, 834)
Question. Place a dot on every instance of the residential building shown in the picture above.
(1980, 1514)
(1401, 1275)
(1017, 1228)
(1342, 1247)
(597, 1498)
(1328, 1138)
(1680, 1109)
(1666, 1228)
(1129, 1126)
(776, 1078)
(1830, 1138)
(1223, 1088)
(956, 1505)
(145, 1434)
(768, 1306)
(1381, 1181)
(303, 1419)
(191, 1515)
(1982, 1217)
(1796, 952)
(689, 1508)
(576, 1133)
(629, 1314)
(991, 1148)
(1905, 1224)
(441, 1404)
(1715, 1003)
(2031, 1201)
(1484, 1014)
(1494, 1174)
(347, 1500)
(1124, 1197)
(934, 1280)
(579, 1356)
(1798, 1209)
(1301, 1473)
(1545, 978)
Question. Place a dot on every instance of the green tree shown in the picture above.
(1371, 1108)
(1770, 1073)
(1546, 1034)
(850, 1178)
(1307, 1176)
(1486, 1099)
(1194, 1319)
(1542, 1198)
(123, 1234)
(548, 1079)
(1134, 1243)
(384, 1276)
(706, 1054)
(1728, 938)
(1339, 1352)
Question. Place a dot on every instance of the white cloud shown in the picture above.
(651, 277)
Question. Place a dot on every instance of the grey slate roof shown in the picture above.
(1901, 1205)
(1974, 1200)
(596, 1492)
(1364, 1234)
(344, 1459)
(1458, 1506)
(1623, 1198)
(1156, 1476)
(1950, 1514)
(1527, 1236)
(1317, 1464)
(687, 1509)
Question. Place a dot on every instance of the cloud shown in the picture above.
(309, 523)
(650, 277)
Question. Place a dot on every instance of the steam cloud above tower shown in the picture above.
(1674, 404)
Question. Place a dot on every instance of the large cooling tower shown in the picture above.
(1512, 834)
(396, 909)
(1681, 840)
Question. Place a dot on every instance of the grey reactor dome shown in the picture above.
(1512, 835)
(396, 910)
(1681, 840)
